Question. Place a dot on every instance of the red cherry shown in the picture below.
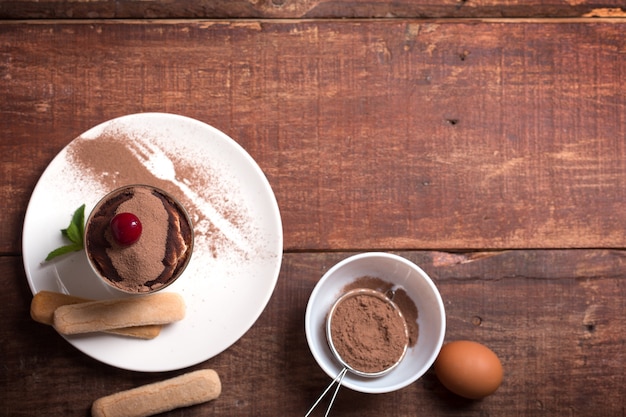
(126, 228)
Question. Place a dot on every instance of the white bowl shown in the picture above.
(401, 273)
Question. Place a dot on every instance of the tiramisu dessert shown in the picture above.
(139, 239)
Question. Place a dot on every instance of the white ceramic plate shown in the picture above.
(238, 232)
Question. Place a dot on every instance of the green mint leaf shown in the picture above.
(74, 233)
(75, 230)
(63, 250)
(79, 220)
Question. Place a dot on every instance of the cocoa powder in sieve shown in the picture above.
(400, 297)
(368, 333)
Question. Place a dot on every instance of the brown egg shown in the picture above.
(469, 369)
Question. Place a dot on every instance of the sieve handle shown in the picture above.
(338, 379)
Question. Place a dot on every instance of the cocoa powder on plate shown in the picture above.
(109, 162)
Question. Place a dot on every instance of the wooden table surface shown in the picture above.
(484, 140)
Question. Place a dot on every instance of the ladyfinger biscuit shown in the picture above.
(182, 391)
(44, 304)
(95, 316)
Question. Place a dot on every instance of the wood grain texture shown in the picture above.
(299, 9)
(555, 318)
(374, 134)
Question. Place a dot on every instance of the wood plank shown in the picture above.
(153, 9)
(553, 317)
(399, 134)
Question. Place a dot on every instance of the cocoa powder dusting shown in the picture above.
(131, 262)
(400, 298)
(368, 333)
(109, 160)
